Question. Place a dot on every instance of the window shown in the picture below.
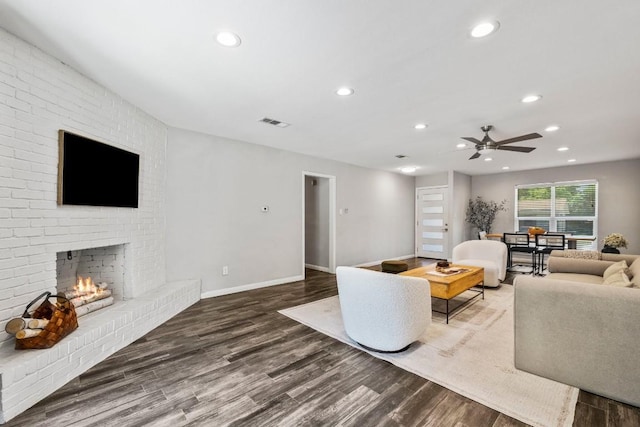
(567, 207)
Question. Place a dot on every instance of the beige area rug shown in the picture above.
(472, 356)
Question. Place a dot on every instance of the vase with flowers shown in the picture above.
(614, 241)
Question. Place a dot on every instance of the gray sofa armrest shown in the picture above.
(579, 334)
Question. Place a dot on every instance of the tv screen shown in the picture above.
(96, 174)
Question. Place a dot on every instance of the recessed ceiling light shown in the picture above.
(228, 39)
(484, 29)
(344, 91)
(563, 149)
(420, 126)
(552, 128)
(488, 159)
(571, 161)
(461, 145)
(531, 98)
(505, 168)
(409, 169)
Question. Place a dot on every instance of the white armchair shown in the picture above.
(383, 312)
(489, 254)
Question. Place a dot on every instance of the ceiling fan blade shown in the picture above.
(475, 156)
(519, 138)
(518, 149)
(471, 139)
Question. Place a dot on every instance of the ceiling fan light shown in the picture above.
(486, 150)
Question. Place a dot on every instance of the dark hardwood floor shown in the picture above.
(233, 360)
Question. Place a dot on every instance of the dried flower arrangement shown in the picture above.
(615, 240)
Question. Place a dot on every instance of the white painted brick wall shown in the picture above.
(38, 96)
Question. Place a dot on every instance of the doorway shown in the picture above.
(318, 222)
(432, 222)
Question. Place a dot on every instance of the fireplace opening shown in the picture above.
(91, 278)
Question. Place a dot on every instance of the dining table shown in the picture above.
(572, 241)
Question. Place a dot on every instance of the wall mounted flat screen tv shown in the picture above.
(96, 174)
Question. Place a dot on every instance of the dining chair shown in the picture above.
(545, 243)
(520, 243)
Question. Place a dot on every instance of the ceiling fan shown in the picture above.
(487, 144)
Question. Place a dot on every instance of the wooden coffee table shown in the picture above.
(447, 287)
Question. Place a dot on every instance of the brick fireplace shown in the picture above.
(40, 96)
(105, 264)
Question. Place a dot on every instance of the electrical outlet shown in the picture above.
(225, 270)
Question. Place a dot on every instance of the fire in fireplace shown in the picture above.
(87, 296)
(92, 278)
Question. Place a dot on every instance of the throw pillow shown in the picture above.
(580, 254)
(614, 268)
(634, 268)
(618, 279)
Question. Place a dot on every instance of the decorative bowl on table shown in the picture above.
(441, 266)
(536, 230)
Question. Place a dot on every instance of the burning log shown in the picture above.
(93, 306)
(85, 286)
(87, 299)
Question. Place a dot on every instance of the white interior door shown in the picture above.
(432, 222)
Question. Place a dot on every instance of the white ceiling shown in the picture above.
(409, 61)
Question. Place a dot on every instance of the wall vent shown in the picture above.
(274, 122)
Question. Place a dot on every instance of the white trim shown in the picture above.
(317, 268)
(370, 264)
(251, 286)
(332, 219)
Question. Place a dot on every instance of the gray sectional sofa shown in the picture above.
(571, 328)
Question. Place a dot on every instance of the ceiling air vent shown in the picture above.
(274, 122)
(400, 156)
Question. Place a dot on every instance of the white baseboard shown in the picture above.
(250, 286)
(369, 264)
(318, 268)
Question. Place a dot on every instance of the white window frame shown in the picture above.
(553, 219)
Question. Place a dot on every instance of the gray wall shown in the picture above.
(216, 188)
(460, 195)
(316, 239)
(432, 180)
(619, 198)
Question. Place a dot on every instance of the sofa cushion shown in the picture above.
(576, 277)
(618, 278)
(614, 269)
